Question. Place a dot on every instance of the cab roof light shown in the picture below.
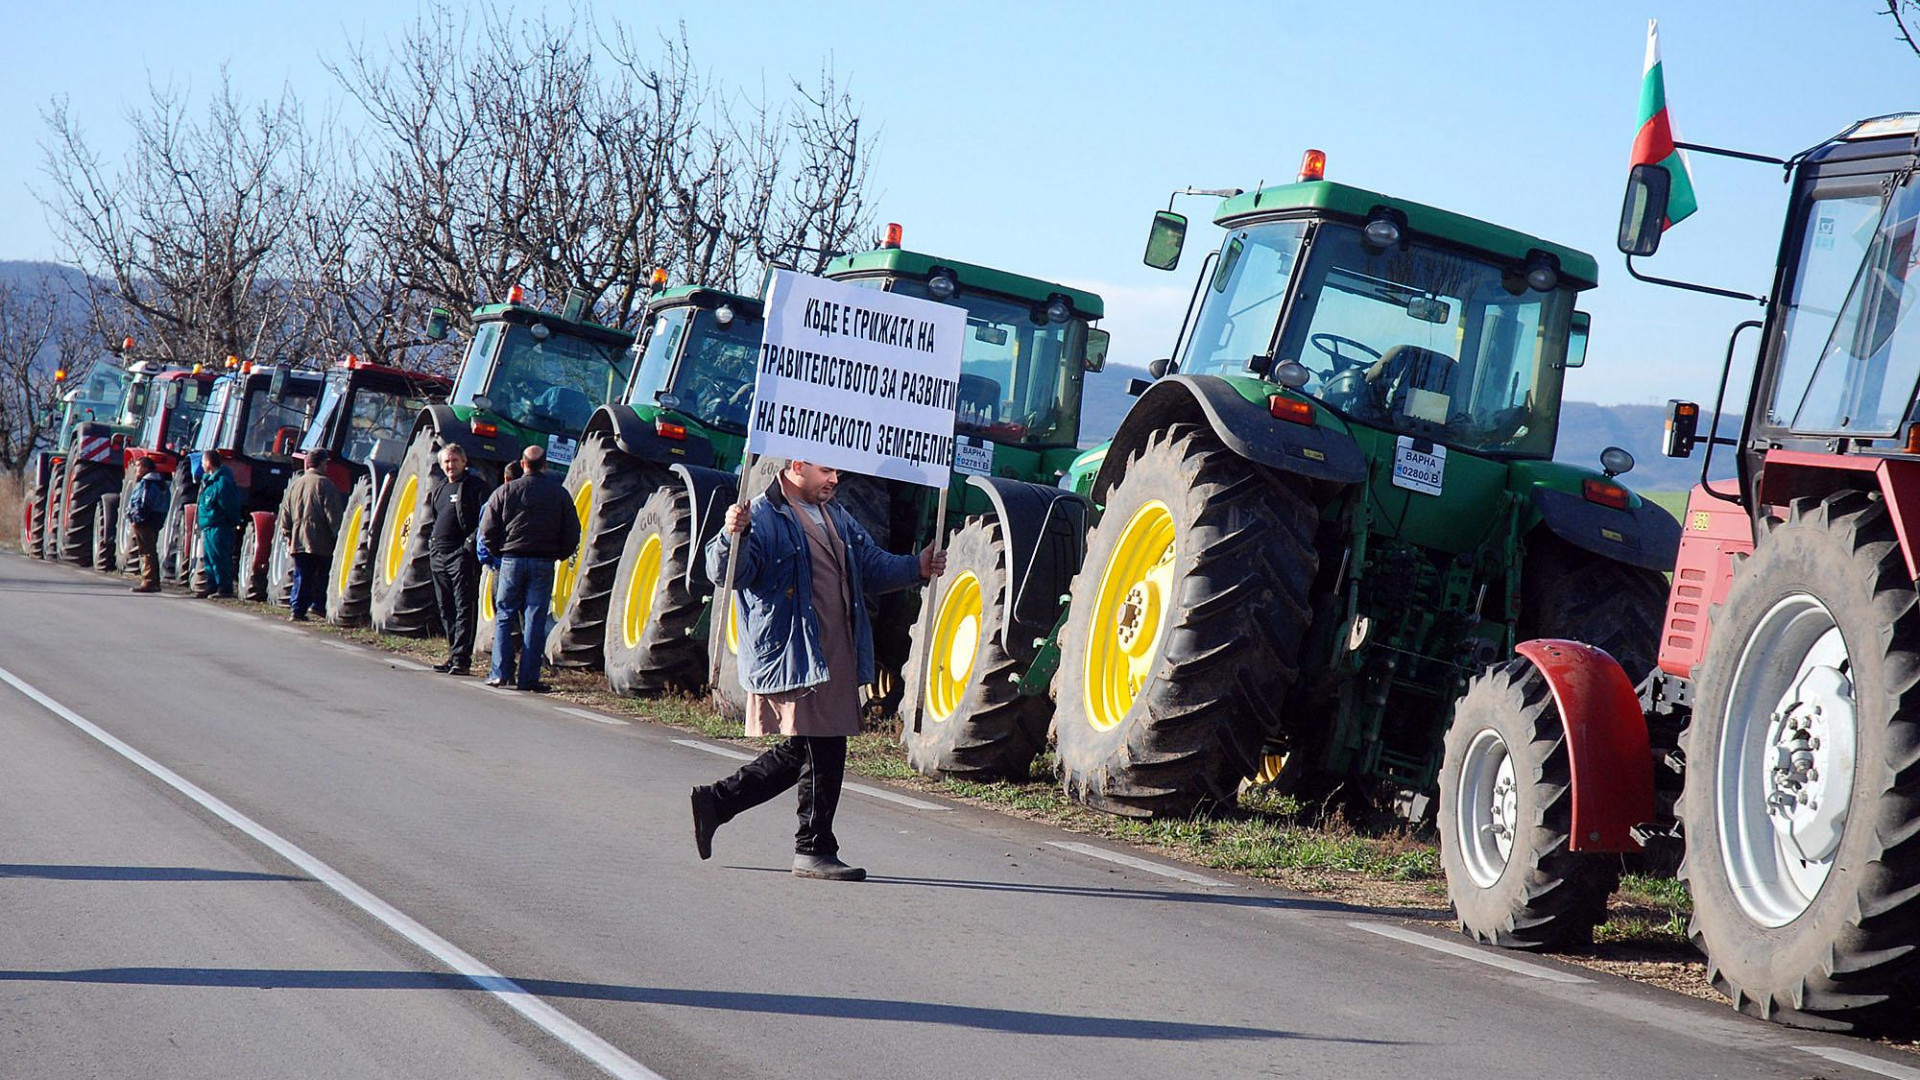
(1313, 165)
(126, 345)
(516, 294)
(895, 234)
(233, 361)
(60, 374)
(1604, 493)
(1282, 407)
(676, 432)
(659, 278)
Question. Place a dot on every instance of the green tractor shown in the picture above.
(1334, 505)
(529, 377)
(1028, 348)
(671, 441)
(65, 484)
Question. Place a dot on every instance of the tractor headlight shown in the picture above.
(1382, 233)
(723, 314)
(1059, 310)
(941, 285)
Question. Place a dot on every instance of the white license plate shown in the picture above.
(560, 449)
(1424, 471)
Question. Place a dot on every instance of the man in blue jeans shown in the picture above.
(528, 524)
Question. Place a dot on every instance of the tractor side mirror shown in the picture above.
(437, 322)
(1097, 342)
(1577, 339)
(1643, 214)
(1683, 428)
(1165, 238)
(1159, 368)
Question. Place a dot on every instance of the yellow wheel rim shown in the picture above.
(1129, 615)
(401, 514)
(733, 626)
(568, 573)
(1271, 766)
(955, 642)
(486, 593)
(351, 534)
(640, 588)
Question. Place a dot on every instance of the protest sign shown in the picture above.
(857, 379)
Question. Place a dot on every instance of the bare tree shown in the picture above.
(39, 335)
(1906, 19)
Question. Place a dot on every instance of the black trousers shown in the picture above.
(817, 763)
(456, 586)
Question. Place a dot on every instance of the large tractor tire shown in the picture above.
(177, 552)
(124, 545)
(651, 643)
(256, 548)
(106, 529)
(974, 724)
(56, 506)
(33, 519)
(280, 571)
(402, 594)
(608, 485)
(1566, 592)
(1188, 619)
(1506, 811)
(1803, 759)
(350, 575)
(86, 483)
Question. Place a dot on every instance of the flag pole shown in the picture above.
(926, 613)
(723, 609)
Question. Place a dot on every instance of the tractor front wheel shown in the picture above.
(402, 593)
(974, 723)
(650, 643)
(252, 577)
(1188, 620)
(350, 575)
(87, 483)
(1803, 756)
(1506, 810)
(106, 527)
(607, 485)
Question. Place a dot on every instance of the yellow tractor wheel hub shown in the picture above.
(1129, 616)
(567, 574)
(351, 534)
(640, 589)
(401, 514)
(955, 642)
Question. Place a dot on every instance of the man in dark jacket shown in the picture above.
(453, 516)
(221, 511)
(529, 524)
(146, 511)
(309, 518)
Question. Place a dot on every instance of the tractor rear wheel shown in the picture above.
(251, 580)
(106, 528)
(975, 723)
(176, 537)
(350, 575)
(56, 503)
(1803, 756)
(1506, 810)
(33, 519)
(86, 483)
(1566, 592)
(123, 541)
(650, 644)
(402, 594)
(280, 571)
(1188, 619)
(608, 485)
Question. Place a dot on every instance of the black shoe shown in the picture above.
(536, 688)
(826, 868)
(201, 594)
(443, 666)
(706, 820)
(460, 669)
(298, 618)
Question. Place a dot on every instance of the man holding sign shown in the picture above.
(848, 378)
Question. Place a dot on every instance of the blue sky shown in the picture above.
(1040, 137)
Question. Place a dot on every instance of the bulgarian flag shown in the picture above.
(1654, 144)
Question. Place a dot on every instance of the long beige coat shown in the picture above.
(310, 514)
(833, 707)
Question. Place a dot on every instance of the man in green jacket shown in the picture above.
(220, 516)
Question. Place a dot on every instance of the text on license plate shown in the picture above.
(1422, 469)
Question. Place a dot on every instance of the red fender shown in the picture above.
(261, 522)
(1607, 752)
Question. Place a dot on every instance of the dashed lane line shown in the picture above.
(593, 716)
(1468, 952)
(1150, 867)
(516, 997)
(1862, 1061)
(882, 794)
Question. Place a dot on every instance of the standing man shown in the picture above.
(310, 519)
(806, 568)
(220, 514)
(146, 512)
(529, 524)
(453, 516)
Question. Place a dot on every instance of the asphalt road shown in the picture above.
(233, 848)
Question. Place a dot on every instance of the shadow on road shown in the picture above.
(1010, 1021)
(69, 872)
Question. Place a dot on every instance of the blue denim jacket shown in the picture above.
(779, 637)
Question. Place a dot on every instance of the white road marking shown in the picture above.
(593, 716)
(1142, 864)
(861, 789)
(1862, 1061)
(1468, 952)
(341, 645)
(516, 997)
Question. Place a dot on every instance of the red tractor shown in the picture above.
(1777, 743)
(175, 404)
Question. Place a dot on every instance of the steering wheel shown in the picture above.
(1331, 344)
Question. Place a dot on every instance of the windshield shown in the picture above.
(1863, 384)
(274, 427)
(714, 379)
(376, 413)
(182, 419)
(95, 401)
(1019, 380)
(552, 385)
(1431, 343)
(1241, 304)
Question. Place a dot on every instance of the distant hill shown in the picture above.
(1585, 430)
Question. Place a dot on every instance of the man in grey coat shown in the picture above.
(310, 520)
(805, 570)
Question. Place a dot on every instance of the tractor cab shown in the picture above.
(696, 357)
(537, 377)
(362, 403)
(99, 399)
(255, 418)
(176, 406)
